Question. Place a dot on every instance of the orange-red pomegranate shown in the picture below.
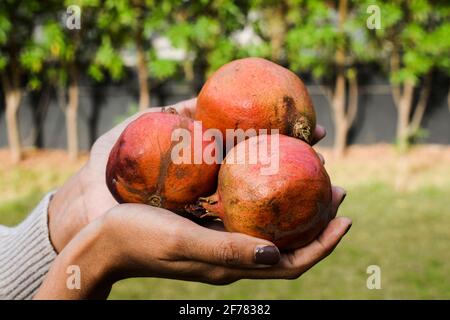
(254, 93)
(289, 207)
(140, 168)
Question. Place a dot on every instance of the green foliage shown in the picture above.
(161, 68)
(17, 49)
(5, 27)
(418, 32)
(204, 30)
(106, 58)
(122, 23)
(314, 37)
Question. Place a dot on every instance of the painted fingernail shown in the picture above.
(343, 197)
(267, 255)
(348, 228)
(322, 159)
(344, 194)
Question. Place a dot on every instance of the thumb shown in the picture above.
(229, 249)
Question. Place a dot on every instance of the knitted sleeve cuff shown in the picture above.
(26, 254)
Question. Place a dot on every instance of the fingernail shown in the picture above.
(348, 228)
(322, 159)
(344, 194)
(267, 255)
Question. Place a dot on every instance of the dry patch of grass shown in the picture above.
(426, 165)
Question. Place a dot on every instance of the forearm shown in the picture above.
(86, 261)
(66, 212)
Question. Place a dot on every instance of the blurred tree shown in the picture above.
(272, 24)
(325, 39)
(61, 51)
(134, 24)
(206, 30)
(17, 21)
(412, 41)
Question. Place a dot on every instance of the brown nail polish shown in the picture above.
(267, 255)
(348, 228)
(343, 197)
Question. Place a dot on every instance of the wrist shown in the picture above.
(66, 212)
(88, 260)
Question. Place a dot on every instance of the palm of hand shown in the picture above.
(98, 198)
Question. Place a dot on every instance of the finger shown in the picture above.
(304, 258)
(338, 195)
(322, 159)
(293, 264)
(228, 249)
(319, 134)
(186, 107)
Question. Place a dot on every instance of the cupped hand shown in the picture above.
(85, 196)
(153, 242)
(135, 240)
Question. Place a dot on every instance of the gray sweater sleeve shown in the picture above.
(26, 254)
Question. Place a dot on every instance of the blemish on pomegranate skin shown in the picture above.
(274, 206)
(180, 173)
(289, 104)
(129, 169)
(290, 110)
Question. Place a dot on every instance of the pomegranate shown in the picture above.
(140, 167)
(289, 207)
(254, 93)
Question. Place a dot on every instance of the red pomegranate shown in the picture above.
(289, 207)
(141, 168)
(254, 93)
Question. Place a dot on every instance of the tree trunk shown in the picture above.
(188, 69)
(276, 30)
(448, 99)
(72, 116)
(141, 64)
(421, 104)
(404, 111)
(12, 99)
(339, 96)
(340, 141)
(340, 121)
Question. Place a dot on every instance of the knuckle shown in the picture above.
(228, 252)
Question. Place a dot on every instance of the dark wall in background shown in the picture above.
(101, 107)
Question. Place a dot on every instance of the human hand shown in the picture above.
(134, 240)
(85, 196)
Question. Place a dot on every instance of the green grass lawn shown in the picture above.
(406, 233)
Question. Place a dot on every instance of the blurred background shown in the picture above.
(378, 73)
